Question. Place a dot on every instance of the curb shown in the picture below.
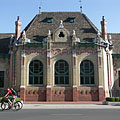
(87, 102)
(111, 103)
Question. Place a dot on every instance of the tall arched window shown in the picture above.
(61, 72)
(87, 73)
(36, 73)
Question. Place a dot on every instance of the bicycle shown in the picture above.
(5, 105)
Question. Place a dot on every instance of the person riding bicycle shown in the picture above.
(14, 93)
(10, 96)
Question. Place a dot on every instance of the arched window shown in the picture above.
(61, 73)
(36, 72)
(87, 73)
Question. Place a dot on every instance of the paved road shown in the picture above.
(61, 114)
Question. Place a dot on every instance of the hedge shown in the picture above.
(17, 99)
(113, 99)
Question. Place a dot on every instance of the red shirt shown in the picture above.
(10, 92)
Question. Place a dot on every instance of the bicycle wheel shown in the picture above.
(20, 104)
(5, 106)
(15, 106)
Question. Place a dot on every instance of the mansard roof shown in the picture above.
(4, 42)
(38, 28)
(115, 38)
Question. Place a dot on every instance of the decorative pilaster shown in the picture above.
(48, 86)
(22, 87)
(74, 66)
(101, 76)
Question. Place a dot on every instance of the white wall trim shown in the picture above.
(22, 86)
(48, 86)
(74, 86)
(100, 86)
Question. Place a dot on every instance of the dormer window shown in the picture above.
(49, 20)
(72, 19)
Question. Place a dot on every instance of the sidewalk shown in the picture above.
(67, 105)
(82, 102)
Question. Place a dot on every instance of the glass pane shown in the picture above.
(41, 80)
(1, 78)
(86, 80)
(66, 80)
(36, 80)
(92, 80)
(82, 80)
(86, 71)
(30, 80)
(36, 71)
(62, 80)
(56, 80)
(119, 77)
(61, 71)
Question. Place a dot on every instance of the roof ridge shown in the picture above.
(89, 21)
(113, 33)
(31, 22)
(7, 33)
(60, 12)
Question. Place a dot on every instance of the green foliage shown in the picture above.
(0, 99)
(117, 99)
(108, 98)
(17, 99)
(113, 99)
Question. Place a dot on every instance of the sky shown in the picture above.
(27, 9)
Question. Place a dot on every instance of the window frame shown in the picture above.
(62, 75)
(3, 79)
(49, 20)
(119, 78)
(36, 75)
(91, 76)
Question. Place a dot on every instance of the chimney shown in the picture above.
(18, 28)
(104, 28)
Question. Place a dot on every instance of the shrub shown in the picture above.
(17, 99)
(116, 99)
(108, 98)
(113, 99)
(0, 99)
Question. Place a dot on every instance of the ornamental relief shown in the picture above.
(60, 51)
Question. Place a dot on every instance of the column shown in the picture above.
(48, 86)
(74, 76)
(22, 86)
(100, 74)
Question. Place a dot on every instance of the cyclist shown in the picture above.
(10, 96)
(14, 93)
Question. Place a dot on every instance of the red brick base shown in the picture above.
(22, 94)
(48, 94)
(101, 94)
(62, 94)
(75, 94)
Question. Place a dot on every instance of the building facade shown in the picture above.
(59, 56)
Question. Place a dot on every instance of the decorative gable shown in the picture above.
(61, 34)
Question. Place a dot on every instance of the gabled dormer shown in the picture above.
(61, 34)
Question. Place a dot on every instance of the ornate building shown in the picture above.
(59, 56)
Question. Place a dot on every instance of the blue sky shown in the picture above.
(27, 9)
